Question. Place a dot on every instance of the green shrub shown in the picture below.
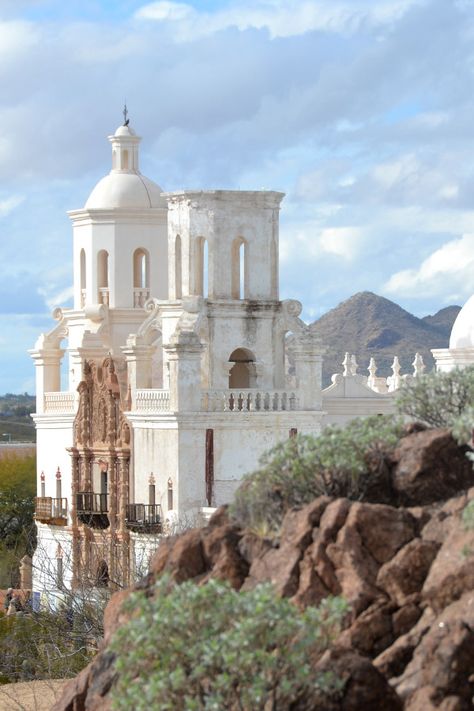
(40, 646)
(438, 399)
(342, 461)
(209, 647)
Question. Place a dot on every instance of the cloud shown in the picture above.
(16, 38)
(281, 18)
(360, 111)
(448, 270)
(7, 205)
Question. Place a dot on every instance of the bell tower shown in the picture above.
(120, 236)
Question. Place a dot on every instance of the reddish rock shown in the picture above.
(298, 524)
(317, 577)
(89, 690)
(383, 529)
(371, 632)
(405, 573)
(182, 558)
(252, 546)
(444, 657)
(222, 556)
(452, 572)
(114, 615)
(280, 566)
(404, 619)
(74, 693)
(371, 534)
(429, 466)
(220, 517)
(365, 689)
(393, 661)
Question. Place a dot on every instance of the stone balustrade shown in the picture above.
(379, 384)
(249, 400)
(152, 400)
(62, 402)
(140, 295)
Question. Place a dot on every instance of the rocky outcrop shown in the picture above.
(406, 572)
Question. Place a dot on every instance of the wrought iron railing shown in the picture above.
(92, 509)
(145, 518)
(50, 510)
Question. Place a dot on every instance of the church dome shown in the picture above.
(125, 186)
(125, 190)
(462, 334)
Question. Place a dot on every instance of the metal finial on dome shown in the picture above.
(126, 120)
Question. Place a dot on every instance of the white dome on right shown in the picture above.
(462, 334)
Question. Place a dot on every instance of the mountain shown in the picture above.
(372, 326)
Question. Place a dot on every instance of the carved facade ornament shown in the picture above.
(100, 422)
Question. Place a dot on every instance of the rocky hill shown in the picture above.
(406, 571)
(372, 326)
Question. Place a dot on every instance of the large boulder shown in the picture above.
(429, 466)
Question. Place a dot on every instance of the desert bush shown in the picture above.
(343, 461)
(463, 429)
(41, 646)
(210, 647)
(438, 399)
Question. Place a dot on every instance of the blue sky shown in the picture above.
(362, 112)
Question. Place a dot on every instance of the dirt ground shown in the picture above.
(30, 695)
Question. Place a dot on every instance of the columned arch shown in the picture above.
(243, 372)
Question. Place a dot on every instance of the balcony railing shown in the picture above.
(52, 511)
(61, 402)
(249, 400)
(144, 518)
(152, 400)
(92, 509)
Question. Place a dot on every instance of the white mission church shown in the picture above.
(184, 367)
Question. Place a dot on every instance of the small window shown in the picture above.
(125, 160)
(141, 278)
(103, 269)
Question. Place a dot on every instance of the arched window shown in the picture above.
(170, 494)
(202, 267)
(103, 276)
(178, 269)
(239, 268)
(124, 160)
(243, 371)
(141, 279)
(103, 269)
(83, 277)
(274, 268)
(114, 159)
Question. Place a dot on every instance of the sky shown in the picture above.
(362, 112)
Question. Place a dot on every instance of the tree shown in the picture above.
(17, 529)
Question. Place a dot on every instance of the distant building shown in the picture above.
(184, 367)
